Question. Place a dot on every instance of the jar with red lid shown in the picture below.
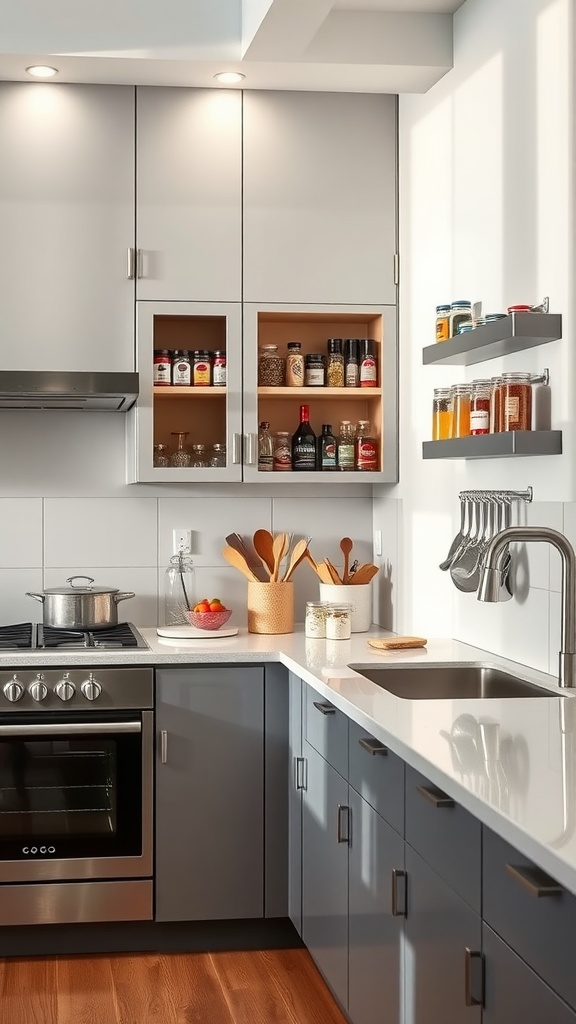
(515, 402)
(162, 371)
(521, 308)
(219, 369)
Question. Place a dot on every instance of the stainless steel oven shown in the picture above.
(76, 824)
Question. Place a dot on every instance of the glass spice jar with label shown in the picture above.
(201, 366)
(442, 323)
(368, 375)
(219, 369)
(283, 452)
(181, 368)
(294, 365)
(270, 367)
(315, 370)
(335, 364)
(366, 459)
(515, 402)
(480, 407)
(442, 414)
(460, 396)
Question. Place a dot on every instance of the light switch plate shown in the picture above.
(182, 541)
(377, 542)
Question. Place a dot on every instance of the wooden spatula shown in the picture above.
(236, 559)
(298, 554)
(263, 541)
(364, 574)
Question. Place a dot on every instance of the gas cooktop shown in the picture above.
(35, 636)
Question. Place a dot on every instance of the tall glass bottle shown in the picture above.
(346, 446)
(265, 448)
(179, 590)
(327, 449)
(304, 444)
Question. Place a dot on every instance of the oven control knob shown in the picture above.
(38, 689)
(65, 689)
(91, 688)
(13, 690)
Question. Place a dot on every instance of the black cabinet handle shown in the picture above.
(436, 796)
(343, 826)
(473, 977)
(373, 746)
(536, 881)
(299, 773)
(325, 708)
(399, 899)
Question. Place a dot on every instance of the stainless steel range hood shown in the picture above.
(62, 389)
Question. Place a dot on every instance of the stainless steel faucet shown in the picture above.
(493, 577)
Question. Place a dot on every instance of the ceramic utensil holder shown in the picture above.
(360, 597)
(270, 607)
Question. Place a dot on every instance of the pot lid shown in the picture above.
(80, 589)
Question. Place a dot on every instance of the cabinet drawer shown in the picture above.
(513, 992)
(327, 731)
(377, 775)
(445, 835)
(532, 913)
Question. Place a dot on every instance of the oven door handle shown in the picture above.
(61, 728)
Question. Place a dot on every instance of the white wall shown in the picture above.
(486, 212)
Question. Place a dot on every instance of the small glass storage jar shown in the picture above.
(218, 456)
(338, 621)
(515, 402)
(315, 370)
(460, 310)
(442, 414)
(315, 621)
(294, 365)
(442, 323)
(460, 396)
(161, 456)
(480, 400)
(270, 367)
(335, 364)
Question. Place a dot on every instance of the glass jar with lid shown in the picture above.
(460, 397)
(442, 414)
(338, 621)
(270, 367)
(480, 401)
(460, 310)
(335, 364)
(315, 370)
(294, 365)
(442, 322)
(315, 621)
(515, 402)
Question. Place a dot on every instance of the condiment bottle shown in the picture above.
(283, 452)
(442, 414)
(327, 449)
(351, 363)
(219, 369)
(346, 446)
(368, 374)
(366, 456)
(515, 401)
(162, 375)
(294, 365)
(335, 364)
(315, 370)
(201, 368)
(181, 368)
(480, 407)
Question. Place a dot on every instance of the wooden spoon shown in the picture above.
(364, 574)
(234, 558)
(279, 549)
(298, 554)
(346, 546)
(333, 572)
(263, 542)
(323, 572)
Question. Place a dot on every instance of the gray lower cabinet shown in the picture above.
(296, 768)
(209, 793)
(439, 928)
(374, 930)
(514, 994)
(325, 830)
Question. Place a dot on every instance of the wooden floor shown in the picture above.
(269, 987)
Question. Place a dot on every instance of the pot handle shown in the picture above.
(122, 597)
(37, 597)
(71, 579)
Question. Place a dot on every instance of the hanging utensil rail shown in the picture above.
(485, 495)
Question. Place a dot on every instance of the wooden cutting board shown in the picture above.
(397, 643)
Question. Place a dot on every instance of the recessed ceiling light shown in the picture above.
(229, 77)
(42, 71)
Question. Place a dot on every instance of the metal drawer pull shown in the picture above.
(399, 905)
(436, 797)
(73, 728)
(343, 813)
(536, 881)
(326, 709)
(373, 747)
(299, 763)
(473, 977)
(163, 746)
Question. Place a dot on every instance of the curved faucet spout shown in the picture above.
(491, 579)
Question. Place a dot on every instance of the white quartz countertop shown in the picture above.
(528, 795)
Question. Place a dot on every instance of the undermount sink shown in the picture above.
(450, 682)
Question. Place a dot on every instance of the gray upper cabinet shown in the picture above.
(189, 196)
(67, 225)
(209, 793)
(319, 197)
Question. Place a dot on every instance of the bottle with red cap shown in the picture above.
(304, 444)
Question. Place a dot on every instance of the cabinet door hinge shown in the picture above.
(396, 268)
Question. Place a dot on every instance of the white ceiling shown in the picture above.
(330, 45)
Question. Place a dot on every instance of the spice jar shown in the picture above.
(346, 446)
(368, 375)
(442, 414)
(294, 365)
(460, 310)
(335, 364)
(282, 452)
(162, 374)
(315, 620)
(480, 407)
(515, 402)
(181, 368)
(460, 397)
(219, 369)
(315, 370)
(442, 323)
(351, 363)
(270, 367)
(338, 621)
(366, 458)
(201, 368)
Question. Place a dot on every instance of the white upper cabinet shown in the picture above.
(189, 194)
(319, 197)
(66, 224)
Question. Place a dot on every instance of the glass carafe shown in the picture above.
(180, 457)
(179, 590)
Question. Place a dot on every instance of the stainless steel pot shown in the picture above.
(80, 607)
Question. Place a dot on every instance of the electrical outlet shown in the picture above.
(182, 541)
(377, 542)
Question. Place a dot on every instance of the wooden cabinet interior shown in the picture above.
(199, 411)
(280, 406)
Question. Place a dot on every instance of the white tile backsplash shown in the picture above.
(21, 532)
(211, 520)
(326, 521)
(519, 631)
(14, 605)
(100, 532)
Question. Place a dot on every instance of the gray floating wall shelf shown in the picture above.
(496, 446)
(514, 333)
